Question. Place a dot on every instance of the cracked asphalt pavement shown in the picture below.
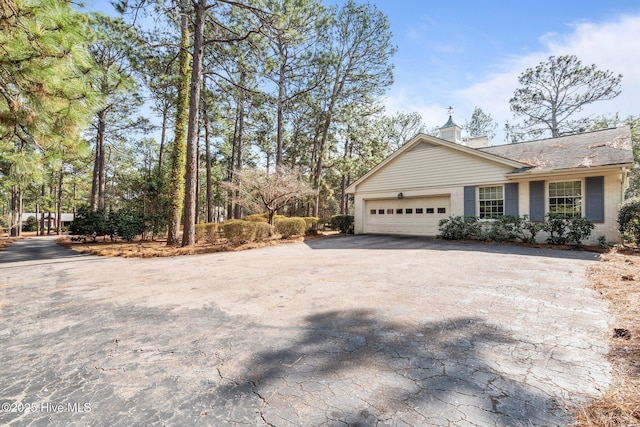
(358, 330)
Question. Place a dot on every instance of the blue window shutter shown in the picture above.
(469, 201)
(594, 198)
(536, 201)
(511, 199)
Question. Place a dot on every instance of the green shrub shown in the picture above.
(602, 242)
(293, 226)
(156, 223)
(264, 230)
(89, 224)
(312, 224)
(629, 210)
(632, 231)
(238, 231)
(556, 225)
(460, 228)
(567, 230)
(629, 220)
(344, 223)
(125, 224)
(31, 224)
(562, 230)
(505, 228)
(579, 229)
(207, 232)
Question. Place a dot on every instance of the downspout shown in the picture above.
(625, 183)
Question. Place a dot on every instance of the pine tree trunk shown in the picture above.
(237, 213)
(16, 212)
(188, 233)
(42, 213)
(59, 213)
(98, 184)
(280, 114)
(178, 154)
(207, 145)
(38, 219)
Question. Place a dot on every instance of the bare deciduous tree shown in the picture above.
(260, 191)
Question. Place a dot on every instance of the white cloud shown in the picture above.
(431, 111)
(609, 45)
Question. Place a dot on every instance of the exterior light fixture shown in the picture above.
(400, 196)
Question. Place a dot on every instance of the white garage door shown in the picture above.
(410, 216)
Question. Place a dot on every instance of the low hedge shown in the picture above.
(293, 226)
(312, 224)
(207, 232)
(264, 230)
(238, 231)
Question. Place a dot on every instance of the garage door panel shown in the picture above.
(410, 216)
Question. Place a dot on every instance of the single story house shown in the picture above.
(48, 217)
(431, 178)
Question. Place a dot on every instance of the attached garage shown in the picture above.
(415, 216)
(429, 179)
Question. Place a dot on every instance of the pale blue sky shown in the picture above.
(467, 53)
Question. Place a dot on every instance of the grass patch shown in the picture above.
(617, 278)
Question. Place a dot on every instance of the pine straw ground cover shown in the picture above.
(159, 248)
(617, 278)
(4, 241)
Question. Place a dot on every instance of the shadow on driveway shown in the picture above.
(359, 369)
(386, 242)
(38, 249)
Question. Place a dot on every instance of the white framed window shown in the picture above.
(490, 202)
(565, 197)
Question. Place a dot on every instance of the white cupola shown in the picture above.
(451, 131)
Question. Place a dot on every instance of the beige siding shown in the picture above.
(429, 166)
(613, 199)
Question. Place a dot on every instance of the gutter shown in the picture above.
(571, 171)
(625, 182)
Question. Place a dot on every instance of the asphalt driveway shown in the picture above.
(360, 330)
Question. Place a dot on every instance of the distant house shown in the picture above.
(431, 178)
(66, 218)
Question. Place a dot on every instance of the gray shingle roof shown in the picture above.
(584, 150)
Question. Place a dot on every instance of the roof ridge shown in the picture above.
(554, 138)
